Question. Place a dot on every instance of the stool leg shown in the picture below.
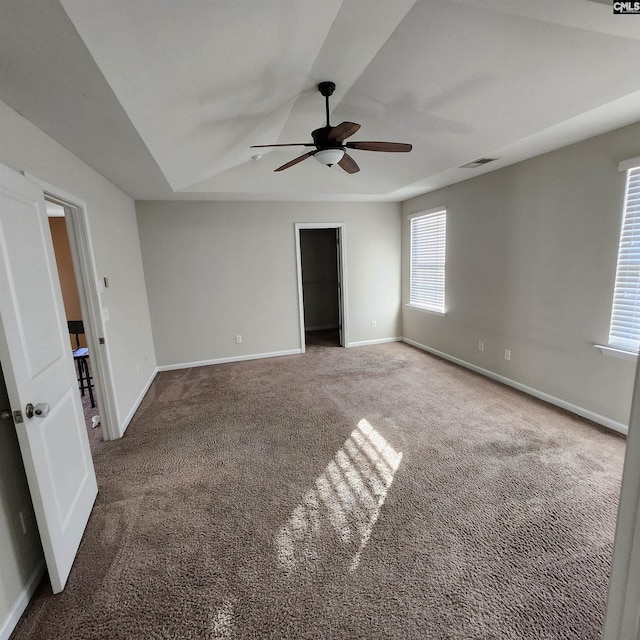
(80, 362)
(84, 379)
(90, 385)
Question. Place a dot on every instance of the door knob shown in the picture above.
(41, 410)
(6, 414)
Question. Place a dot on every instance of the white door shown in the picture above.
(35, 353)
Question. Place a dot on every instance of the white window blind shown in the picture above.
(428, 252)
(624, 332)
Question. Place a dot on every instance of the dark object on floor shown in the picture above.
(80, 357)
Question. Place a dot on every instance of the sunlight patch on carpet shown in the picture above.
(344, 504)
(222, 625)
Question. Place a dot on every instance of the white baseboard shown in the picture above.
(253, 356)
(136, 404)
(17, 609)
(364, 343)
(558, 402)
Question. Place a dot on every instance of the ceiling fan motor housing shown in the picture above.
(329, 152)
(321, 139)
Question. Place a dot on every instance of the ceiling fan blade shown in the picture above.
(291, 144)
(342, 131)
(304, 156)
(397, 147)
(349, 164)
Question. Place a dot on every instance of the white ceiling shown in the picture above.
(164, 98)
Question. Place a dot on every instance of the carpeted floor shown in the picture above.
(375, 492)
(95, 433)
(322, 338)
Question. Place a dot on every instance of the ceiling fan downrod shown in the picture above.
(326, 89)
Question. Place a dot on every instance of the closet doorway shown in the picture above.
(321, 279)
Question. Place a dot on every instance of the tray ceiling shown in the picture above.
(164, 98)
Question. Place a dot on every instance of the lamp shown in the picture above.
(329, 156)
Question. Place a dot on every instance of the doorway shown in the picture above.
(70, 286)
(321, 290)
(90, 289)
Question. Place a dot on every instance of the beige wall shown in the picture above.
(64, 262)
(531, 258)
(218, 269)
(66, 274)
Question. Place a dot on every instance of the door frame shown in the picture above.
(344, 321)
(82, 255)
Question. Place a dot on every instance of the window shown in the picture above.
(428, 248)
(624, 332)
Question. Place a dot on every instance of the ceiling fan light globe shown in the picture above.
(329, 157)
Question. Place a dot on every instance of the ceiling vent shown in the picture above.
(477, 163)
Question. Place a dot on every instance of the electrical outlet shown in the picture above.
(480, 345)
(507, 354)
(374, 324)
(238, 339)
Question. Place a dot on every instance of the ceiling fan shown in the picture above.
(329, 144)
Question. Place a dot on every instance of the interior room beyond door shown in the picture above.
(70, 286)
(319, 258)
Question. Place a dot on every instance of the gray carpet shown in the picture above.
(94, 433)
(376, 492)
